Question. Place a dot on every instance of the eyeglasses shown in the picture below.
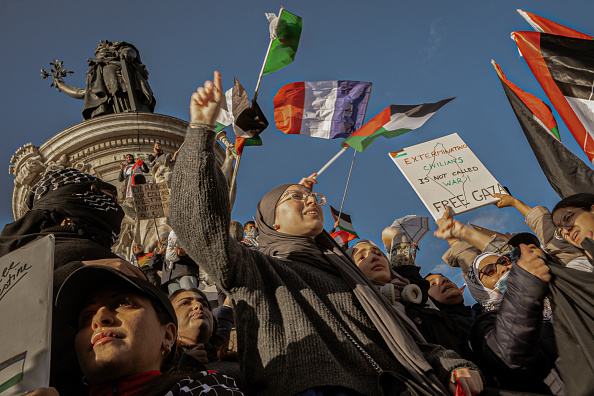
(566, 222)
(491, 269)
(301, 196)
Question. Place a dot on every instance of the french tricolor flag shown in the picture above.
(324, 109)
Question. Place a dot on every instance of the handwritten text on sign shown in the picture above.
(151, 200)
(445, 172)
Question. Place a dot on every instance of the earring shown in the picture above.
(165, 352)
(276, 227)
(84, 381)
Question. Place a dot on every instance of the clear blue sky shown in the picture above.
(412, 51)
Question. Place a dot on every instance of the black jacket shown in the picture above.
(513, 343)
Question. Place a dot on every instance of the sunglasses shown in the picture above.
(565, 223)
(491, 269)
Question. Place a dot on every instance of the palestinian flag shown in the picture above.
(240, 143)
(564, 67)
(248, 121)
(324, 109)
(285, 32)
(393, 121)
(566, 173)
(342, 237)
(543, 25)
(344, 223)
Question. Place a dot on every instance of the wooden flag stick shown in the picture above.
(264, 63)
(341, 152)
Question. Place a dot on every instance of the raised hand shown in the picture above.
(205, 103)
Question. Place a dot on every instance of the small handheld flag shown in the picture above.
(393, 121)
(324, 109)
(286, 30)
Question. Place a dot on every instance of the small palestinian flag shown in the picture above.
(345, 223)
(393, 121)
(342, 237)
(566, 173)
(564, 67)
(543, 25)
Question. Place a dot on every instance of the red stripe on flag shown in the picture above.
(288, 107)
(375, 123)
(529, 45)
(554, 28)
(537, 106)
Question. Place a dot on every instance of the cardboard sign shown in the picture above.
(445, 172)
(151, 200)
(26, 279)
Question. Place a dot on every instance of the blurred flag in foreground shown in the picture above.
(564, 67)
(393, 121)
(566, 173)
(324, 109)
(543, 25)
(285, 32)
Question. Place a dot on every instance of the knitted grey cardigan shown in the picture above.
(287, 341)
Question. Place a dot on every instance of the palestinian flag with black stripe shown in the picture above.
(564, 67)
(566, 173)
(344, 224)
(393, 121)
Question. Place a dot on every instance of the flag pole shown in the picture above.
(341, 152)
(234, 177)
(346, 188)
(264, 63)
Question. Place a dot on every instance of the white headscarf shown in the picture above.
(488, 298)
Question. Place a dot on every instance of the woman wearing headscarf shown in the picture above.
(81, 212)
(512, 339)
(308, 321)
(435, 326)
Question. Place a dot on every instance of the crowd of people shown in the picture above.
(310, 318)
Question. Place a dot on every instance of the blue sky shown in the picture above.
(413, 52)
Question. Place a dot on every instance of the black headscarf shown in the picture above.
(323, 252)
(70, 193)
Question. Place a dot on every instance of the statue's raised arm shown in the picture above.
(116, 82)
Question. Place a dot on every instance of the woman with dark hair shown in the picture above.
(125, 333)
(308, 321)
(574, 218)
(198, 340)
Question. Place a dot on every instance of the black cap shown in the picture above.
(91, 278)
(525, 238)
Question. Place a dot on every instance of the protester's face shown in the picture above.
(304, 218)
(443, 290)
(158, 148)
(577, 224)
(489, 281)
(372, 262)
(194, 318)
(129, 159)
(138, 248)
(249, 227)
(119, 334)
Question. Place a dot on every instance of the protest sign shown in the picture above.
(151, 200)
(26, 278)
(445, 172)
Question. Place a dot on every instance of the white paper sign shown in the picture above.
(445, 172)
(26, 279)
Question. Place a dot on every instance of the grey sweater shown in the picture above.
(287, 341)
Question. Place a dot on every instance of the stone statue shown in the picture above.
(117, 81)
